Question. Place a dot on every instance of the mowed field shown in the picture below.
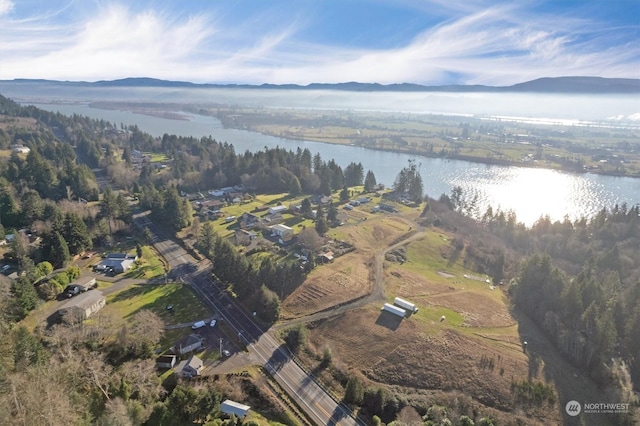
(463, 337)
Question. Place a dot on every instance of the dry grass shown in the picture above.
(347, 278)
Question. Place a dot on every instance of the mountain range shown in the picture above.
(540, 85)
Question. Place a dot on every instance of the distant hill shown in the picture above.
(541, 85)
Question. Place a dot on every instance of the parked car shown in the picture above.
(212, 323)
(226, 353)
(73, 289)
(5, 268)
(198, 324)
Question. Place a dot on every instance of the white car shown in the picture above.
(226, 353)
(198, 324)
(212, 323)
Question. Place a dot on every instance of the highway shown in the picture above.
(310, 396)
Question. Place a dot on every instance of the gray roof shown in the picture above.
(83, 300)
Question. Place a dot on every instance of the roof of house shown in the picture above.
(83, 300)
(195, 363)
(121, 256)
(188, 341)
(113, 262)
(282, 228)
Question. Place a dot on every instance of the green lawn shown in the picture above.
(147, 267)
(187, 307)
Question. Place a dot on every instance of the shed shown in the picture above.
(231, 407)
(394, 310)
(166, 361)
(278, 209)
(82, 306)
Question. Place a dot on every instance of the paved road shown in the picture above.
(301, 387)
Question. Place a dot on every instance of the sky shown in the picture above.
(431, 42)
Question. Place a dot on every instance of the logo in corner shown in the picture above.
(573, 408)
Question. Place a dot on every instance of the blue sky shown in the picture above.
(429, 42)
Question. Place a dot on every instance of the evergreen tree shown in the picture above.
(321, 225)
(294, 187)
(25, 296)
(370, 181)
(76, 234)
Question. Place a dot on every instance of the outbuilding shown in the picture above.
(230, 407)
(82, 306)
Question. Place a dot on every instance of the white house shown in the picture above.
(281, 231)
(278, 209)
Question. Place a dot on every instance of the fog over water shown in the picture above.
(530, 192)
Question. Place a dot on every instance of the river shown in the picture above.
(529, 192)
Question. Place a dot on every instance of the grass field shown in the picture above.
(187, 307)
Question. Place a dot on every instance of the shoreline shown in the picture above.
(450, 156)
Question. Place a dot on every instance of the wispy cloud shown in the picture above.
(6, 6)
(494, 45)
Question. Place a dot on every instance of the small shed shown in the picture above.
(394, 310)
(166, 361)
(234, 408)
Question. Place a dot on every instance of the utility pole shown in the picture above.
(221, 346)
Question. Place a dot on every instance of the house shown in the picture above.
(281, 231)
(229, 408)
(82, 306)
(211, 204)
(273, 218)
(249, 220)
(20, 149)
(244, 237)
(326, 257)
(166, 361)
(189, 368)
(117, 262)
(192, 342)
(278, 209)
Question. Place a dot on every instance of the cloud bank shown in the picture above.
(497, 45)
